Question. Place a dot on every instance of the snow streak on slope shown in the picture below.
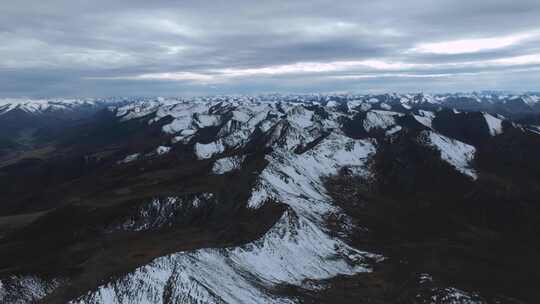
(494, 124)
(227, 164)
(163, 150)
(460, 155)
(289, 173)
(379, 119)
(130, 158)
(425, 118)
(535, 129)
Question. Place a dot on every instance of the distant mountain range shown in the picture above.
(512, 104)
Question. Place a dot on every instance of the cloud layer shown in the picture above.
(136, 47)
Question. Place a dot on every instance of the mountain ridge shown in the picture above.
(280, 153)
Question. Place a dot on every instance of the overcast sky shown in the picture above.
(140, 47)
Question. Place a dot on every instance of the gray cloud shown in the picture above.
(97, 48)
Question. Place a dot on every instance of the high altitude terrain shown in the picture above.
(392, 198)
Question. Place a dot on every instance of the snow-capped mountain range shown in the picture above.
(39, 106)
(518, 103)
(301, 140)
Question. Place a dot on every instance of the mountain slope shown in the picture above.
(269, 199)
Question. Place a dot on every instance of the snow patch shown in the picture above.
(204, 151)
(385, 106)
(227, 164)
(393, 130)
(494, 124)
(460, 155)
(203, 120)
(130, 158)
(379, 120)
(163, 150)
